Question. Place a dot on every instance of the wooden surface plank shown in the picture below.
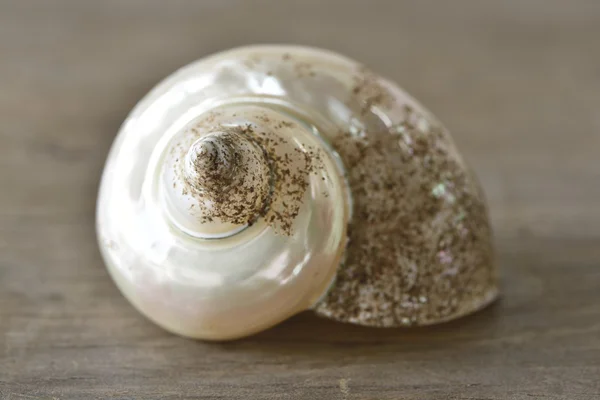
(518, 84)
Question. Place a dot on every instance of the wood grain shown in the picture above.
(517, 82)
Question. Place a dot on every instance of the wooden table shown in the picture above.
(518, 83)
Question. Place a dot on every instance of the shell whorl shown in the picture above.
(240, 164)
(229, 175)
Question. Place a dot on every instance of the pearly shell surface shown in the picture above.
(354, 201)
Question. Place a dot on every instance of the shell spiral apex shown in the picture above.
(263, 181)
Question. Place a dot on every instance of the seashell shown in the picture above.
(263, 181)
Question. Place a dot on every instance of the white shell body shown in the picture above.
(220, 280)
(202, 287)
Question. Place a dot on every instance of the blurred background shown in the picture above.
(516, 82)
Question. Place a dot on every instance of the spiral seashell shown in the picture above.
(264, 181)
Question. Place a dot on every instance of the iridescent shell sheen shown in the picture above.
(371, 216)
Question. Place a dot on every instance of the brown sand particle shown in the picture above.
(419, 247)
